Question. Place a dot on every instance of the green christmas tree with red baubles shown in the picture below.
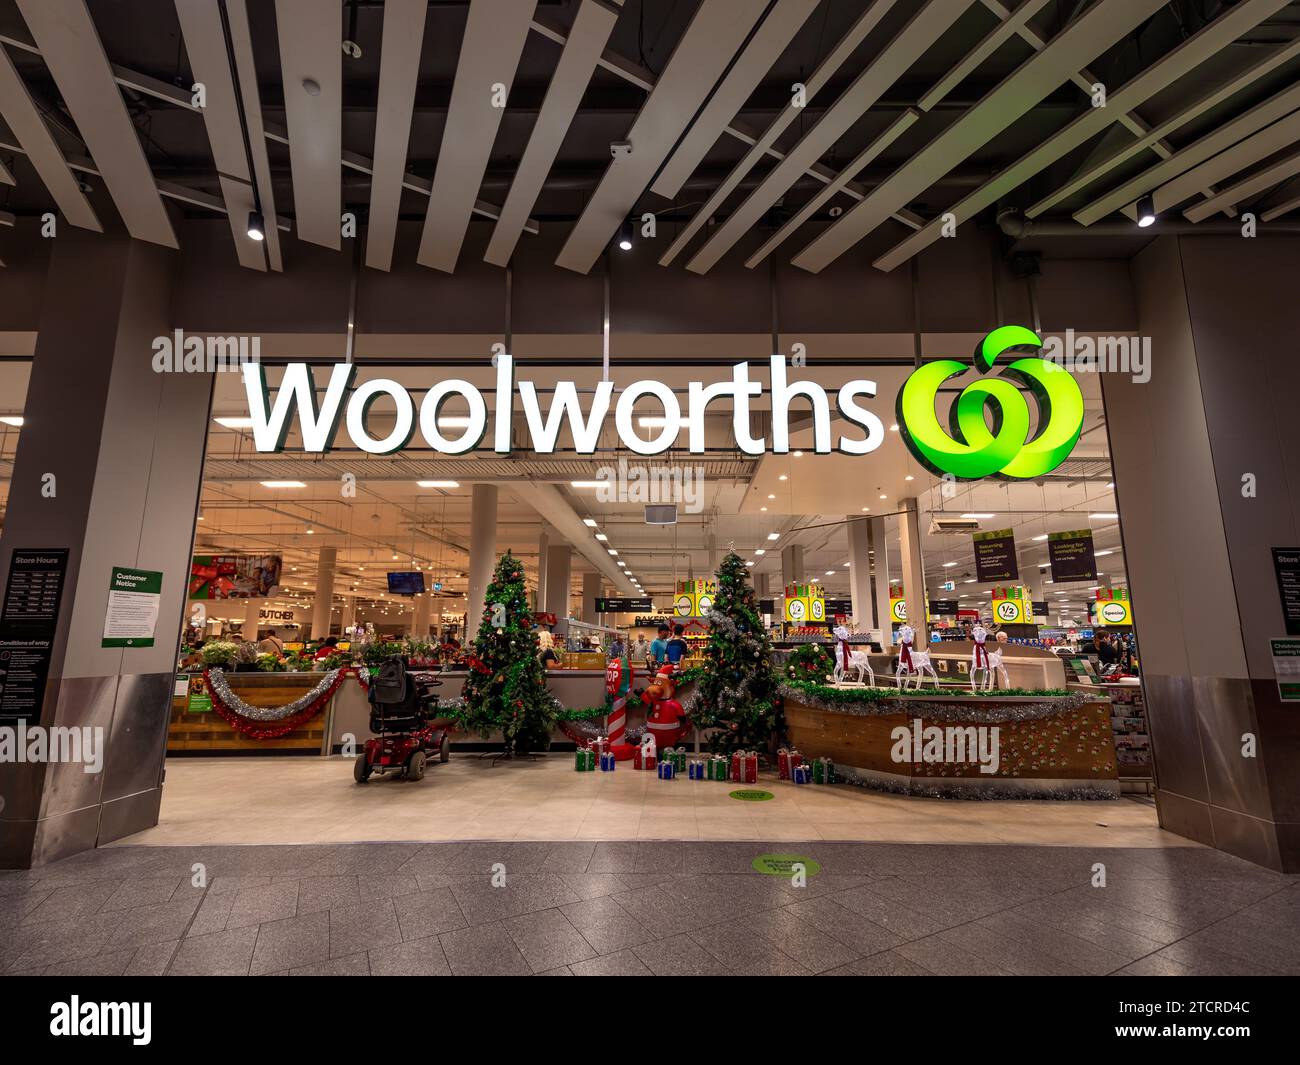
(737, 694)
(506, 686)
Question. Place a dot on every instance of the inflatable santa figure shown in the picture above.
(906, 636)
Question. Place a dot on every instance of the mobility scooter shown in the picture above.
(404, 718)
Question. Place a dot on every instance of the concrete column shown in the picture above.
(108, 469)
(909, 535)
(879, 574)
(792, 564)
(1204, 457)
(326, 559)
(860, 573)
(543, 546)
(591, 583)
(559, 565)
(482, 554)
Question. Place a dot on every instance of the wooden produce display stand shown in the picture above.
(1048, 746)
(206, 731)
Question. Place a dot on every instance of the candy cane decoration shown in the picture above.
(618, 685)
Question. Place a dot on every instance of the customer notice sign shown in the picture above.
(134, 596)
(1286, 668)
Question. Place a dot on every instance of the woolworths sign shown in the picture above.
(989, 424)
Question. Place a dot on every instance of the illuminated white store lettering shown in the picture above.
(342, 403)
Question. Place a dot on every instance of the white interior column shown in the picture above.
(878, 553)
(482, 554)
(320, 608)
(590, 592)
(543, 545)
(792, 565)
(559, 567)
(420, 626)
(909, 536)
(860, 573)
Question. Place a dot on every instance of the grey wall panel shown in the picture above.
(1245, 320)
(1087, 294)
(82, 702)
(138, 741)
(26, 257)
(212, 292)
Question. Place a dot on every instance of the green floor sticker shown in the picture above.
(783, 864)
(752, 796)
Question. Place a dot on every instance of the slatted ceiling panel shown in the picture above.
(495, 32)
(771, 38)
(72, 51)
(1218, 140)
(717, 29)
(582, 51)
(892, 132)
(1011, 23)
(241, 41)
(1156, 78)
(888, 65)
(34, 137)
(311, 49)
(1284, 208)
(1093, 172)
(6, 178)
(1096, 30)
(399, 72)
(763, 144)
(1245, 191)
(205, 45)
(1253, 149)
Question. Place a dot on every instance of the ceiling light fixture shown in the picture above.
(438, 484)
(256, 226)
(1146, 211)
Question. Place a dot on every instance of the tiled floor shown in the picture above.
(648, 907)
(314, 800)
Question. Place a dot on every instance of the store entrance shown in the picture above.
(901, 641)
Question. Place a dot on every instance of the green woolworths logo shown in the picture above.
(974, 450)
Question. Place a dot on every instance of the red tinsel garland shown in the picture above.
(262, 730)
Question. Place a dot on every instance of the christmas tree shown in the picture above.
(506, 685)
(737, 695)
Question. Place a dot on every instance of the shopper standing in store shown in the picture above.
(1106, 653)
(271, 644)
(677, 647)
(641, 649)
(659, 648)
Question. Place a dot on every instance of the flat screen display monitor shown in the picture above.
(405, 583)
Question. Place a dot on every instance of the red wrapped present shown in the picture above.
(786, 760)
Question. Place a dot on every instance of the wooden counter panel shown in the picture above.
(1077, 744)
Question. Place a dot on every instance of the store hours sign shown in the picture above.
(1017, 445)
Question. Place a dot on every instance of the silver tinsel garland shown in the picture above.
(221, 690)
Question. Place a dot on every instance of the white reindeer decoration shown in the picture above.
(846, 658)
(994, 670)
(920, 660)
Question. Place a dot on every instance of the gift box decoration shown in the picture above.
(640, 761)
(600, 745)
(744, 767)
(665, 771)
(786, 760)
(584, 759)
(666, 754)
(679, 759)
(823, 771)
(695, 769)
(607, 762)
(802, 774)
(717, 768)
(649, 747)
